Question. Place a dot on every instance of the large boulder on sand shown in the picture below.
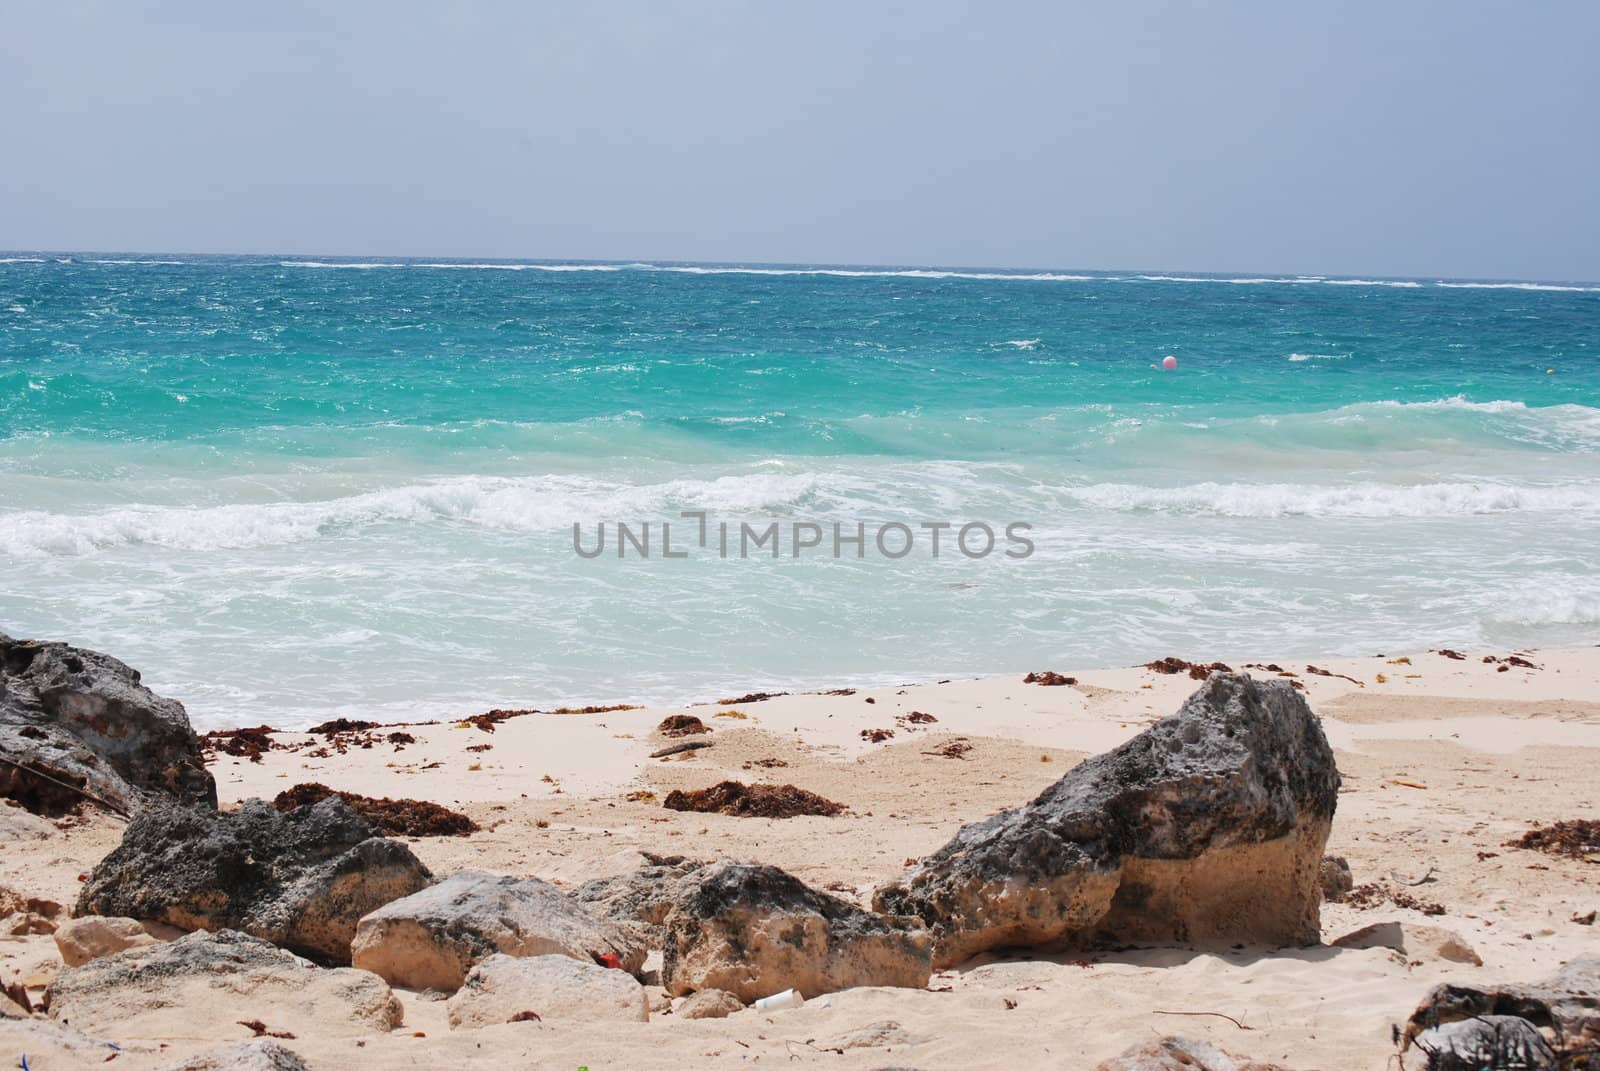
(756, 930)
(77, 724)
(301, 880)
(432, 938)
(1205, 830)
(505, 989)
(208, 982)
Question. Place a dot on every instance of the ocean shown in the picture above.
(289, 489)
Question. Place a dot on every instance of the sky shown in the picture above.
(1446, 139)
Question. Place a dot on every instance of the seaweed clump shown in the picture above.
(752, 801)
(1578, 838)
(392, 818)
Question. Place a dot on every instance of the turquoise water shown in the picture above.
(290, 489)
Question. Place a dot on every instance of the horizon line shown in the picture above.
(622, 263)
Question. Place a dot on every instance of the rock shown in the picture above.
(73, 719)
(92, 936)
(642, 899)
(1180, 1054)
(431, 939)
(218, 980)
(554, 988)
(23, 924)
(301, 880)
(22, 915)
(1568, 1003)
(755, 930)
(1206, 830)
(10, 1009)
(12, 902)
(709, 1004)
(1492, 1041)
(263, 1054)
(1335, 878)
(1415, 942)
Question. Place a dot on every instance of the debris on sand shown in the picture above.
(876, 736)
(752, 801)
(753, 697)
(1049, 678)
(342, 725)
(596, 709)
(1317, 671)
(1196, 670)
(678, 749)
(918, 717)
(682, 725)
(765, 764)
(951, 749)
(1375, 894)
(249, 743)
(1578, 838)
(394, 818)
(1456, 656)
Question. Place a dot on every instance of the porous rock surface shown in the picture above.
(756, 930)
(503, 989)
(76, 722)
(642, 899)
(432, 938)
(212, 981)
(1487, 1042)
(1566, 1007)
(301, 880)
(1205, 830)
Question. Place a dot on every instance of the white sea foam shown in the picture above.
(1297, 357)
(518, 504)
(1407, 284)
(904, 273)
(699, 269)
(1563, 605)
(1024, 343)
(1519, 286)
(22, 260)
(1371, 500)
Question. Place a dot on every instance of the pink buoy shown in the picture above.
(1169, 362)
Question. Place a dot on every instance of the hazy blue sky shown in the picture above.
(1413, 138)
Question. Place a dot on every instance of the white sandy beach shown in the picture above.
(1443, 761)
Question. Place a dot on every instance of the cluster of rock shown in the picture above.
(1207, 829)
(78, 725)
